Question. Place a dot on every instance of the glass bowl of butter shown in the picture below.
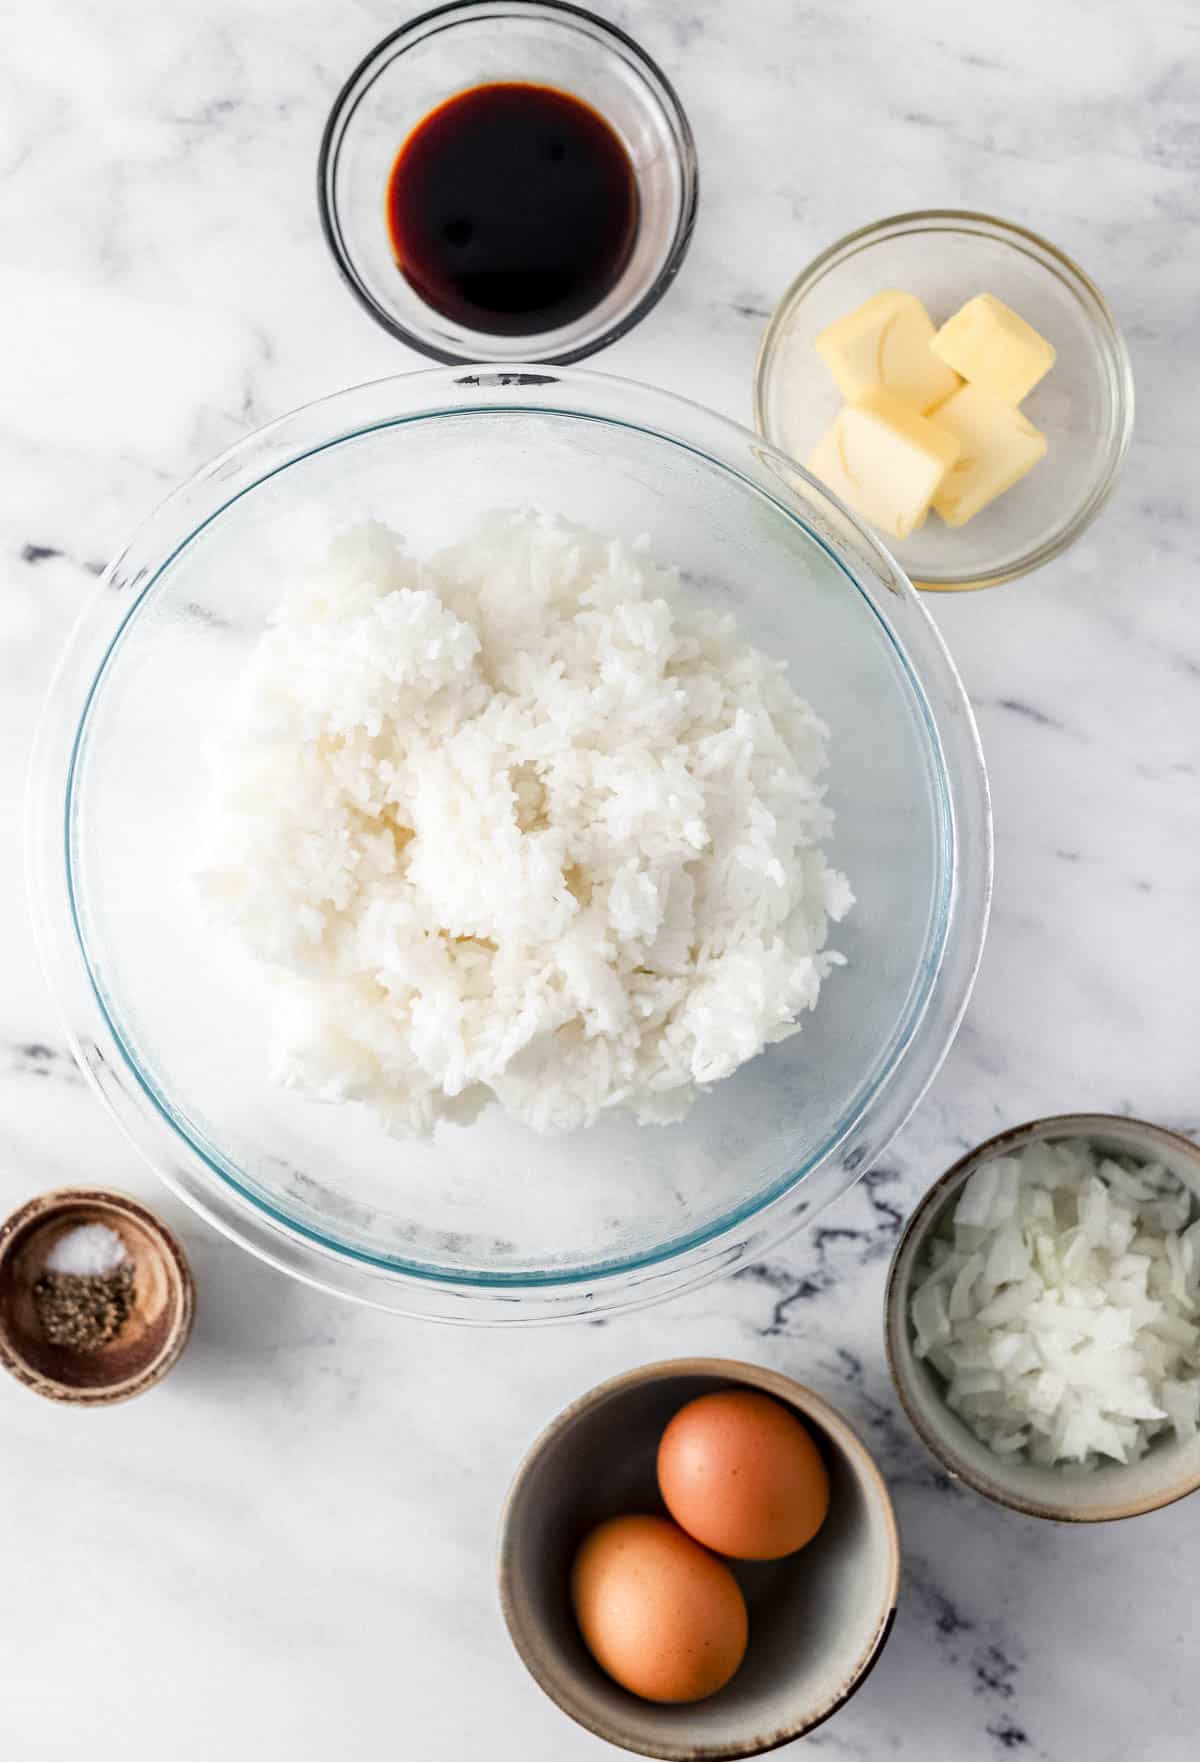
(960, 383)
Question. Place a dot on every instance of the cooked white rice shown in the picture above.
(1060, 1305)
(510, 823)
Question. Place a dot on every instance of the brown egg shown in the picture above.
(658, 1613)
(740, 1473)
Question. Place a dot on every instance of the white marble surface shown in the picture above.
(285, 1552)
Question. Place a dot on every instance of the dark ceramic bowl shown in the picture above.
(1168, 1471)
(818, 1619)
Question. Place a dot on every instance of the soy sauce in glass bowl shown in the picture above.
(460, 262)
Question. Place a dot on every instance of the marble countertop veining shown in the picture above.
(285, 1552)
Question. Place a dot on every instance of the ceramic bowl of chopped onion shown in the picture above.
(1043, 1318)
(504, 848)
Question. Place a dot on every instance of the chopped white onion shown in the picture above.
(1060, 1305)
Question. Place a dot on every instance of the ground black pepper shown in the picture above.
(83, 1310)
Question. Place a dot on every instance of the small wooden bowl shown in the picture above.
(818, 1619)
(163, 1306)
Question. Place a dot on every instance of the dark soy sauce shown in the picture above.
(512, 208)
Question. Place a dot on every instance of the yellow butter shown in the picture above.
(998, 446)
(885, 460)
(993, 348)
(885, 343)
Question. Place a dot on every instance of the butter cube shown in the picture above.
(993, 348)
(885, 343)
(885, 460)
(998, 446)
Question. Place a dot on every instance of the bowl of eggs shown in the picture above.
(699, 1560)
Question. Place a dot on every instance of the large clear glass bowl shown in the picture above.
(491, 1222)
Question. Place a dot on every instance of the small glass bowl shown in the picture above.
(479, 42)
(1084, 405)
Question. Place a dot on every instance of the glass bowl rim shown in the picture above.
(463, 12)
(971, 223)
(684, 1259)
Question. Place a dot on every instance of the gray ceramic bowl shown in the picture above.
(817, 1619)
(1168, 1471)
